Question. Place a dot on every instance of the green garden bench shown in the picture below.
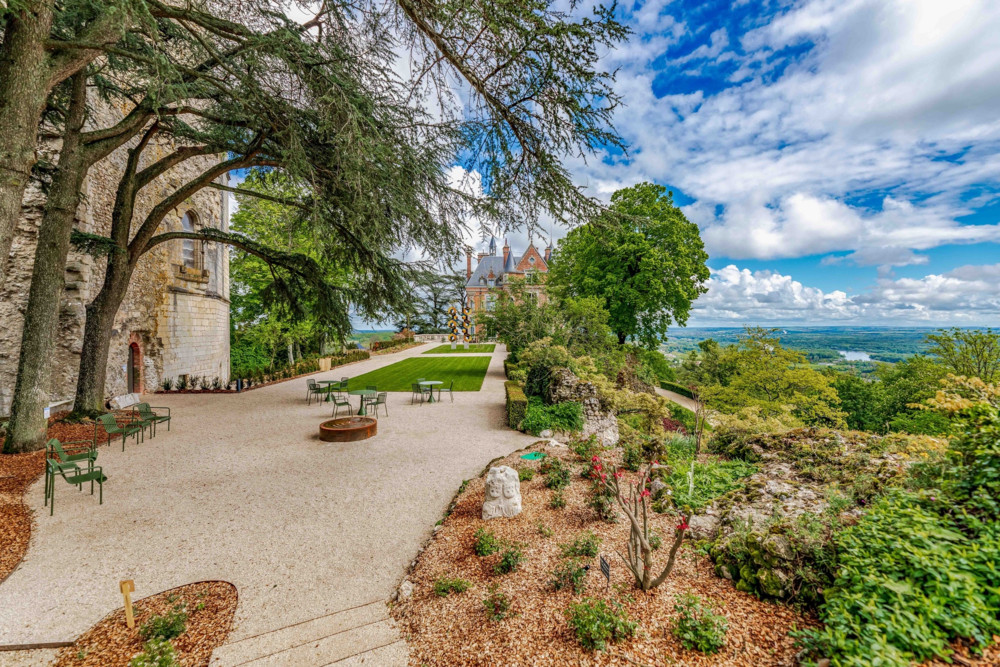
(150, 418)
(73, 475)
(111, 426)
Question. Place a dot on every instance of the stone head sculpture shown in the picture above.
(503, 493)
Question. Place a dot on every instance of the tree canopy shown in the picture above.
(642, 257)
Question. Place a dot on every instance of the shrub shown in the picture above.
(156, 653)
(497, 604)
(170, 625)
(655, 541)
(596, 623)
(445, 586)
(526, 474)
(603, 505)
(586, 544)
(632, 457)
(558, 501)
(216, 383)
(566, 416)
(379, 345)
(698, 627)
(544, 530)
(510, 559)
(556, 474)
(677, 389)
(168, 384)
(182, 383)
(712, 478)
(585, 448)
(486, 543)
(517, 404)
(909, 583)
(570, 574)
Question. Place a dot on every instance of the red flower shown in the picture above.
(645, 493)
(683, 525)
(604, 477)
(618, 475)
(596, 458)
(597, 466)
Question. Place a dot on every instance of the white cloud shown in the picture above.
(889, 88)
(965, 295)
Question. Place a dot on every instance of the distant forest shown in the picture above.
(819, 344)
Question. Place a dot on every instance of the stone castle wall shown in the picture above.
(178, 320)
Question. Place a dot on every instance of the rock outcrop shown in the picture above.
(565, 386)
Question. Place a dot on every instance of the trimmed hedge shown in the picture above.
(517, 404)
(677, 389)
(379, 345)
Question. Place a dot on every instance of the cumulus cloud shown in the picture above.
(965, 295)
(892, 98)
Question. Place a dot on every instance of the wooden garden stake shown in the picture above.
(127, 588)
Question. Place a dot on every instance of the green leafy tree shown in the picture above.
(431, 295)
(765, 375)
(642, 257)
(968, 352)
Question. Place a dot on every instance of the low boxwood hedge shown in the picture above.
(517, 404)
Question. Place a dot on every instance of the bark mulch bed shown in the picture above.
(17, 473)
(210, 607)
(455, 629)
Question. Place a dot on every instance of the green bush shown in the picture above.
(570, 574)
(156, 653)
(510, 559)
(632, 457)
(517, 404)
(698, 627)
(585, 448)
(587, 544)
(596, 623)
(168, 626)
(712, 478)
(445, 586)
(909, 583)
(497, 604)
(379, 345)
(686, 417)
(558, 500)
(556, 473)
(677, 389)
(566, 416)
(525, 474)
(486, 543)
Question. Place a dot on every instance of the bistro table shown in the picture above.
(363, 393)
(431, 384)
(328, 391)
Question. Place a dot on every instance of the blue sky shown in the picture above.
(840, 156)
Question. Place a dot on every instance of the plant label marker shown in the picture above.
(128, 587)
(606, 571)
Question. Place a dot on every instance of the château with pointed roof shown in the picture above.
(494, 271)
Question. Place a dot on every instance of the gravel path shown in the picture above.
(242, 490)
(680, 400)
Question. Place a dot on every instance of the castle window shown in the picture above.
(531, 260)
(191, 254)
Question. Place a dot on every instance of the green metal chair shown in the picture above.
(148, 416)
(312, 389)
(112, 428)
(450, 390)
(341, 401)
(73, 475)
(57, 451)
(380, 399)
(418, 391)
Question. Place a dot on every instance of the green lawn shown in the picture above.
(473, 347)
(467, 372)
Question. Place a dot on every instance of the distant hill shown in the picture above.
(819, 344)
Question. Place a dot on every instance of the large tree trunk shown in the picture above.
(41, 318)
(24, 85)
(97, 334)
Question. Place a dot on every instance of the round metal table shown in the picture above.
(431, 384)
(363, 393)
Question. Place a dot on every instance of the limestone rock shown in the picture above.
(405, 589)
(124, 401)
(546, 433)
(778, 545)
(704, 526)
(503, 493)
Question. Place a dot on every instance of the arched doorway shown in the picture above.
(134, 379)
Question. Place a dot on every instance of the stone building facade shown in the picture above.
(493, 272)
(174, 319)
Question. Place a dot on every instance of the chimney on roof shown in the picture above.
(548, 252)
(506, 251)
(468, 263)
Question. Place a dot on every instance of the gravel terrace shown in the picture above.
(315, 536)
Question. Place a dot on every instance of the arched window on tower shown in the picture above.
(191, 251)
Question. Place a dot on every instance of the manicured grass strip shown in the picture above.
(467, 372)
(474, 347)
